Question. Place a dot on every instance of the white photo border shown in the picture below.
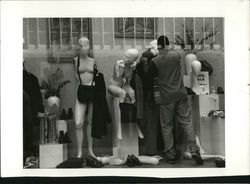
(236, 19)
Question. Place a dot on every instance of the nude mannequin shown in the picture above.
(85, 69)
(120, 87)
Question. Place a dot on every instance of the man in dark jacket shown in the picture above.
(173, 101)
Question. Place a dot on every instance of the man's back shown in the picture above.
(169, 73)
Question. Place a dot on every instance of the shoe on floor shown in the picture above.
(130, 162)
(93, 162)
(170, 156)
(136, 160)
(197, 157)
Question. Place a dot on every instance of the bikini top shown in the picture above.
(93, 71)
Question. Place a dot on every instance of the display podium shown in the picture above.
(52, 154)
(212, 135)
(210, 131)
(129, 143)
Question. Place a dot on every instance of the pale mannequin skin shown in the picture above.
(80, 108)
(115, 90)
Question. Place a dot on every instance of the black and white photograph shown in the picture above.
(125, 89)
(123, 92)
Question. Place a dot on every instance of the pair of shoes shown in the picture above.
(197, 158)
(66, 116)
(170, 156)
(132, 161)
(93, 162)
(64, 138)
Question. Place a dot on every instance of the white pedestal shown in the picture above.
(211, 132)
(50, 155)
(212, 135)
(208, 103)
(129, 142)
(201, 105)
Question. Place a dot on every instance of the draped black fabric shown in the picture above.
(32, 104)
(32, 88)
(143, 68)
(101, 114)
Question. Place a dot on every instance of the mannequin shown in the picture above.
(120, 87)
(84, 70)
(196, 70)
(189, 58)
(204, 156)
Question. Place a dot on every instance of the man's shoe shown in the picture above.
(93, 162)
(130, 162)
(136, 160)
(170, 156)
(197, 157)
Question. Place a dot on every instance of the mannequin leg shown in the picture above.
(117, 117)
(80, 110)
(198, 144)
(116, 91)
(187, 155)
(89, 129)
(139, 132)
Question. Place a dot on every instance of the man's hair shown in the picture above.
(162, 42)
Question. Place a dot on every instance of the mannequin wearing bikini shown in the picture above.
(84, 70)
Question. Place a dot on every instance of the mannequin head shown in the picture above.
(189, 58)
(131, 55)
(196, 67)
(83, 43)
(153, 47)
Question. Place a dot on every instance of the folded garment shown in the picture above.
(72, 163)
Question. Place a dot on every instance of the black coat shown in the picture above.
(101, 114)
(32, 89)
(32, 104)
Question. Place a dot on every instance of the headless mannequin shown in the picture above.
(120, 87)
(196, 69)
(193, 69)
(86, 64)
(189, 58)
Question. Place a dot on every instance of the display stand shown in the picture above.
(211, 132)
(212, 135)
(52, 154)
(129, 143)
